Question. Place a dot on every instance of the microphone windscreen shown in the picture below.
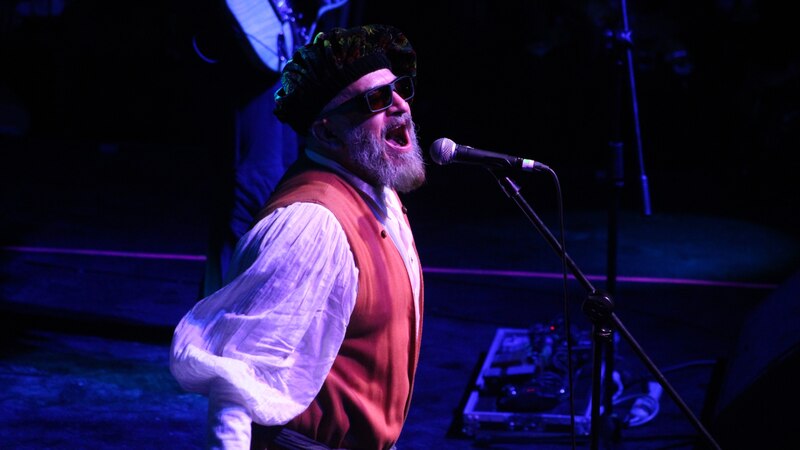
(442, 151)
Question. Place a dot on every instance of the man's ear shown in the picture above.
(322, 133)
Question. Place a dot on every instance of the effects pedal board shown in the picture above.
(523, 386)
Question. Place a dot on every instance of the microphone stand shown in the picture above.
(599, 309)
(620, 44)
(617, 180)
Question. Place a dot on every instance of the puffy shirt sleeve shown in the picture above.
(265, 342)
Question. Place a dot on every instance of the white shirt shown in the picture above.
(262, 346)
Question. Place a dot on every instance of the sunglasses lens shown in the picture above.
(405, 87)
(379, 98)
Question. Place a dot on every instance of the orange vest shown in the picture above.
(365, 398)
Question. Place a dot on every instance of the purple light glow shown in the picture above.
(439, 270)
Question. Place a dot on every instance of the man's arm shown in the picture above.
(262, 345)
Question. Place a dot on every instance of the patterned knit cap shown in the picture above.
(319, 70)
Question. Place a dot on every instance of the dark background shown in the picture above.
(717, 86)
(112, 129)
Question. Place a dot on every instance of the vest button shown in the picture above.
(383, 234)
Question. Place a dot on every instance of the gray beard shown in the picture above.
(402, 172)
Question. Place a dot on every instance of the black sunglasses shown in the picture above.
(379, 98)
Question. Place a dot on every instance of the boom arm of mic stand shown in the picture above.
(604, 309)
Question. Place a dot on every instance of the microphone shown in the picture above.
(444, 151)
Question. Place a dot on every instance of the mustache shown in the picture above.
(403, 120)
